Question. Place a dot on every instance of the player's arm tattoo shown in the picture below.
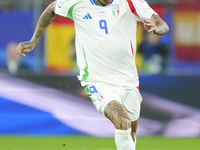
(45, 19)
(118, 115)
(28, 45)
(161, 26)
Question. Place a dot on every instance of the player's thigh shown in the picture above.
(116, 112)
(132, 103)
(101, 95)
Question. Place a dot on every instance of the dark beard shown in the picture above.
(101, 3)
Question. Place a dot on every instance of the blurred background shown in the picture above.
(41, 95)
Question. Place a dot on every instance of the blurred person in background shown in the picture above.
(155, 54)
(105, 48)
(13, 64)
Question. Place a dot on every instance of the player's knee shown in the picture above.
(123, 124)
(118, 115)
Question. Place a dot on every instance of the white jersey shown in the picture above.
(106, 39)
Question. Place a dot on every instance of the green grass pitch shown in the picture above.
(94, 143)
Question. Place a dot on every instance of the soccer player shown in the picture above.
(106, 49)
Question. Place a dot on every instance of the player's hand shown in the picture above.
(25, 47)
(150, 26)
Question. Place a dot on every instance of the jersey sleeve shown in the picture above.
(141, 9)
(61, 8)
(64, 7)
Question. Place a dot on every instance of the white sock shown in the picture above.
(124, 140)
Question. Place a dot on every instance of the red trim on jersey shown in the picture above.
(138, 88)
(132, 7)
(132, 48)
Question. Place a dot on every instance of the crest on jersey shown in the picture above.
(115, 9)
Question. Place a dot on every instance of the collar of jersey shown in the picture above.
(94, 3)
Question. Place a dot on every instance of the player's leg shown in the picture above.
(107, 100)
(118, 115)
(120, 118)
(134, 125)
(131, 102)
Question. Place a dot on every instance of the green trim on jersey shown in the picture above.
(69, 14)
(86, 74)
(87, 90)
(65, 1)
